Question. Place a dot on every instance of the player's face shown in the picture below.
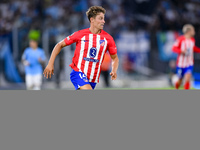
(33, 44)
(98, 21)
(192, 32)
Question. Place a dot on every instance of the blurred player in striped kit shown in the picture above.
(185, 47)
(91, 45)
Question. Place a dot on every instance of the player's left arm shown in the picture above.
(115, 64)
(115, 60)
(196, 49)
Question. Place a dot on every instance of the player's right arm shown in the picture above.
(49, 70)
(177, 47)
(23, 59)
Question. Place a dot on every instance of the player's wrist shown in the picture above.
(115, 72)
(114, 69)
(50, 63)
(183, 51)
(26, 63)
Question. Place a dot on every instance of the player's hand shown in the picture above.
(184, 52)
(40, 60)
(26, 63)
(113, 75)
(48, 71)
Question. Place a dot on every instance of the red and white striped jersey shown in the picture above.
(90, 51)
(182, 44)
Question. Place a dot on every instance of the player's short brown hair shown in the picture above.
(94, 10)
(187, 27)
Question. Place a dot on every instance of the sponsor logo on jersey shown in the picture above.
(102, 42)
(93, 52)
(91, 59)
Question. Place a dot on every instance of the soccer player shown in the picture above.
(91, 46)
(185, 47)
(33, 58)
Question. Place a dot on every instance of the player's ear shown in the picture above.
(91, 19)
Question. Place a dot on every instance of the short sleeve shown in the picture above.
(112, 47)
(193, 39)
(72, 38)
(177, 43)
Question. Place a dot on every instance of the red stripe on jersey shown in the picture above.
(94, 43)
(98, 64)
(185, 57)
(80, 56)
(77, 52)
(85, 52)
(102, 57)
(94, 69)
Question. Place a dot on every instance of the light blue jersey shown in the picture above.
(33, 56)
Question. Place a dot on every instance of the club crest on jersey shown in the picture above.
(93, 52)
(102, 42)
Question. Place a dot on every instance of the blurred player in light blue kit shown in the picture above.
(33, 58)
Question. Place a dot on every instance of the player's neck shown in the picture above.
(94, 30)
(187, 36)
(34, 48)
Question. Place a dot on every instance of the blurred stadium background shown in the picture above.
(144, 31)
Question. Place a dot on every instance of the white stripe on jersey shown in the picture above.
(180, 60)
(189, 53)
(81, 53)
(186, 43)
(94, 63)
(88, 53)
(104, 49)
(181, 56)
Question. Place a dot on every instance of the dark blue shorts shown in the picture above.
(80, 79)
(182, 71)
